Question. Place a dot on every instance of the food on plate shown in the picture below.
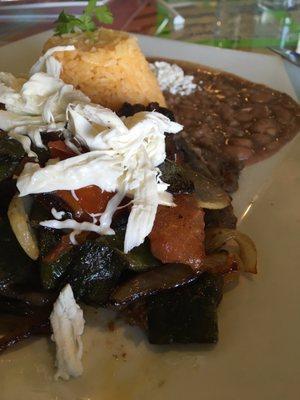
(167, 312)
(172, 78)
(186, 219)
(108, 66)
(128, 210)
(228, 122)
(68, 324)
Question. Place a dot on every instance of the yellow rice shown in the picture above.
(108, 66)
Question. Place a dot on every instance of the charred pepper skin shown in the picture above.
(187, 314)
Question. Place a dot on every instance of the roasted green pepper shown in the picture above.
(187, 314)
(16, 268)
(11, 154)
(177, 178)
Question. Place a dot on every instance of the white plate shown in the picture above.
(258, 354)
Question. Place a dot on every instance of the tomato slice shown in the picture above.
(58, 149)
(92, 199)
(178, 233)
(87, 200)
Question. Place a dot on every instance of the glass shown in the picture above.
(238, 24)
(278, 4)
(232, 24)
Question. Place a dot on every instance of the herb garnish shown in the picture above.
(68, 23)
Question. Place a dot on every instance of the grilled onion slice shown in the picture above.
(18, 218)
(217, 238)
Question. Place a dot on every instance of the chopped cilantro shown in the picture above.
(68, 23)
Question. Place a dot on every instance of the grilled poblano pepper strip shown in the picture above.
(16, 268)
(11, 154)
(187, 314)
(176, 176)
(93, 267)
(183, 179)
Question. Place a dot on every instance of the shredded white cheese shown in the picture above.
(107, 215)
(67, 224)
(57, 214)
(26, 135)
(123, 155)
(67, 324)
(74, 225)
(38, 104)
(92, 168)
(73, 235)
(24, 141)
(48, 63)
(123, 158)
(75, 197)
(171, 78)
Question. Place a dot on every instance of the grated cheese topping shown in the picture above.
(38, 104)
(67, 324)
(123, 158)
(171, 78)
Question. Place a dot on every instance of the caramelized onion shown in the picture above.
(167, 276)
(217, 238)
(18, 218)
(225, 264)
(221, 263)
(209, 194)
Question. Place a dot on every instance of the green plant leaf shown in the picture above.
(90, 8)
(68, 23)
(104, 15)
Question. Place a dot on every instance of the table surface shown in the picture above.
(236, 24)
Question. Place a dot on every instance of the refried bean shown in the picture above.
(229, 115)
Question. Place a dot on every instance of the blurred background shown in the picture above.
(252, 25)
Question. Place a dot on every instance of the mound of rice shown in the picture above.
(108, 66)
